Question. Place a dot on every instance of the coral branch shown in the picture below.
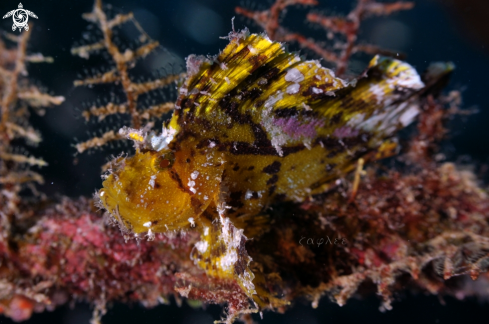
(10, 92)
(124, 61)
(348, 27)
(17, 95)
(119, 59)
(97, 141)
(22, 159)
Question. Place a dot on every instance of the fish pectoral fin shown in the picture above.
(253, 225)
(387, 149)
(222, 253)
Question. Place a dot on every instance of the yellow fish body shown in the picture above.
(253, 125)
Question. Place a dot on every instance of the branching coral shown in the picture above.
(124, 61)
(348, 27)
(17, 97)
(419, 224)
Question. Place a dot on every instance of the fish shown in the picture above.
(253, 126)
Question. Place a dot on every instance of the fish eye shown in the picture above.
(164, 161)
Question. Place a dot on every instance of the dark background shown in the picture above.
(432, 31)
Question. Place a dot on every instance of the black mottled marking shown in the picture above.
(251, 94)
(202, 122)
(218, 251)
(207, 85)
(334, 145)
(286, 112)
(157, 185)
(261, 137)
(187, 160)
(187, 103)
(356, 140)
(236, 56)
(272, 168)
(336, 118)
(177, 179)
(245, 148)
(271, 190)
(241, 263)
(332, 154)
(272, 180)
(330, 167)
(209, 215)
(235, 199)
(271, 74)
(254, 195)
(280, 197)
(258, 60)
(231, 108)
(196, 204)
(330, 143)
(251, 168)
(206, 142)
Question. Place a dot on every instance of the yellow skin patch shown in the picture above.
(252, 126)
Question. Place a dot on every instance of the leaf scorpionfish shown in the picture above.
(252, 126)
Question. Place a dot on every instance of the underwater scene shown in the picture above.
(278, 161)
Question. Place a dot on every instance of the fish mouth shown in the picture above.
(103, 200)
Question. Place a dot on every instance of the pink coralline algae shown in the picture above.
(72, 254)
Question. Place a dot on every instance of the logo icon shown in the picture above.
(20, 17)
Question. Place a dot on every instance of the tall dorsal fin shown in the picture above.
(256, 72)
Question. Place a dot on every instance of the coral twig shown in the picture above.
(348, 27)
(124, 61)
(17, 95)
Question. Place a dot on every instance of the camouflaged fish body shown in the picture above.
(252, 126)
(286, 125)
